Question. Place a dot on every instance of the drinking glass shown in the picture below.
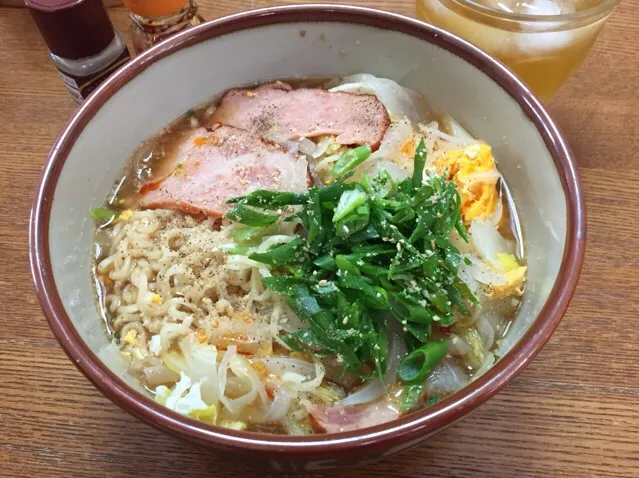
(543, 41)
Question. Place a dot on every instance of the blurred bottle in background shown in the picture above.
(543, 41)
(82, 42)
(156, 20)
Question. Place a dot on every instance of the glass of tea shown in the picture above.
(543, 41)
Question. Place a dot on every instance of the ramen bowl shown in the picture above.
(290, 42)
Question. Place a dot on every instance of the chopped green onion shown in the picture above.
(271, 199)
(350, 160)
(285, 285)
(103, 214)
(281, 255)
(376, 296)
(367, 252)
(314, 215)
(245, 215)
(418, 364)
(411, 396)
(250, 234)
(432, 400)
(349, 202)
(326, 262)
(420, 162)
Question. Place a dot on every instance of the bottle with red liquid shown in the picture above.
(83, 45)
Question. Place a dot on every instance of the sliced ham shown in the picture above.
(280, 113)
(344, 419)
(216, 164)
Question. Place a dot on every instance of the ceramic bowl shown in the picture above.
(285, 42)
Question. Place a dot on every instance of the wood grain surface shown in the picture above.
(573, 412)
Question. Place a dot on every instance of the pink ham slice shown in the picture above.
(344, 419)
(276, 111)
(212, 166)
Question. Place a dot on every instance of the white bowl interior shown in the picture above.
(195, 74)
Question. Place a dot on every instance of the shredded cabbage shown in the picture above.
(185, 398)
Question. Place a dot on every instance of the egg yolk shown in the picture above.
(478, 192)
(514, 286)
(130, 337)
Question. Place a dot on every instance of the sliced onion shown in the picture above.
(280, 365)
(160, 374)
(288, 321)
(234, 406)
(294, 428)
(458, 346)
(291, 146)
(242, 368)
(479, 272)
(488, 363)
(495, 217)
(390, 156)
(485, 331)
(457, 241)
(432, 130)
(301, 375)
(306, 146)
(376, 388)
(302, 145)
(365, 394)
(278, 408)
(447, 377)
(397, 101)
(336, 373)
(455, 129)
(271, 241)
(322, 146)
(397, 136)
(309, 385)
(201, 362)
(495, 320)
(372, 169)
(490, 177)
(396, 351)
(422, 106)
(488, 243)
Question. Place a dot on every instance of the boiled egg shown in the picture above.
(473, 171)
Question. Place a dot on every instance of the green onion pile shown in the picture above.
(367, 248)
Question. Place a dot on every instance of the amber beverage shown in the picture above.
(154, 8)
(543, 41)
(156, 20)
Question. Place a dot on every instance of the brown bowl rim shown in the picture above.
(411, 427)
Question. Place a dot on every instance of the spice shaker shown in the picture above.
(155, 20)
(84, 46)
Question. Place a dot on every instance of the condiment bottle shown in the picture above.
(83, 45)
(155, 20)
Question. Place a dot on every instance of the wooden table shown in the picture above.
(573, 412)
